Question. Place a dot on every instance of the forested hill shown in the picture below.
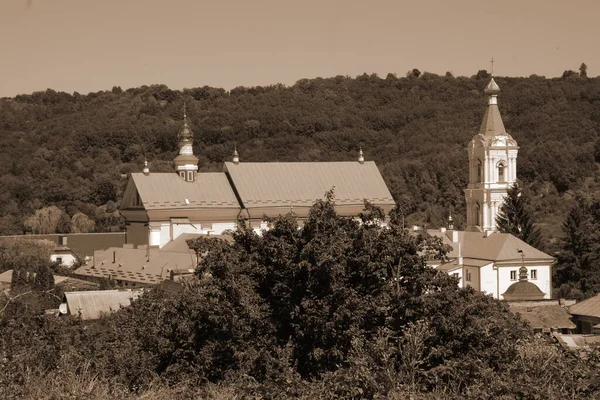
(73, 150)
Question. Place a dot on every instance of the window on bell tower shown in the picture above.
(479, 167)
(501, 173)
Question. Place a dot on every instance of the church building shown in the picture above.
(159, 207)
(499, 264)
(162, 209)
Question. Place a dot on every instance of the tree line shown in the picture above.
(335, 308)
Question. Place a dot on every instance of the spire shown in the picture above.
(146, 170)
(185, 133)
(236, 155)
(361, 157)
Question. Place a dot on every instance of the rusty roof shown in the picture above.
(166, 190)
(544, 316)
(92, 304)
(302, 183)
(589, 307)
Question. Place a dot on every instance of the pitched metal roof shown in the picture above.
(302, 183)
(92, 304)
(167, 190)
(498, 247)
(589, 307)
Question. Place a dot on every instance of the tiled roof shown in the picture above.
(92, 304)
(544, 316)
(134, 265)
(302, 183)
(166, 190)
(589, 307)
(523, 290)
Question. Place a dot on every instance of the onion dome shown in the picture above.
(185, 133)
(492, 89)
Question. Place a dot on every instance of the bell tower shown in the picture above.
(186, 163)
(492, 166)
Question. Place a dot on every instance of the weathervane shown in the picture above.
(184, 116)
(492, 61)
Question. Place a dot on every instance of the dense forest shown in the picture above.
(335, 309)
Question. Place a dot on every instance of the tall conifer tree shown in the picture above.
(514, 217)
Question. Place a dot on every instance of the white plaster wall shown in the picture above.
(542, 281)
(219, 228)
(165, 233)
(178, 229)
(488, 280)
(67, 259)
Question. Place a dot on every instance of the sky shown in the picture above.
(92, 45)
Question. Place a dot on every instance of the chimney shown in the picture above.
(443, 230)
(114, 256)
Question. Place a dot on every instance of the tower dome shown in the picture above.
(186, 163)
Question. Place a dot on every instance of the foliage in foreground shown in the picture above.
(333, 309)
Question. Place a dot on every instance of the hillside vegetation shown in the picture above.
(72, 151)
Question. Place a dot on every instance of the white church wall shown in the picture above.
(489, 280)
(542, 278)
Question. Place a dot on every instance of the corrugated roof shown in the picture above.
(589, 307)
(168, 191)
(92, 304)
(546, 316)
(302, 183)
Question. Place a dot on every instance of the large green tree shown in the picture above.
(578, 262)
(515, 217)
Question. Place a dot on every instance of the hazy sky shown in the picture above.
(92, 45)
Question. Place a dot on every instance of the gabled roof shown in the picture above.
(302, 183)
(92, 304)
(589, 307)
(166, 190)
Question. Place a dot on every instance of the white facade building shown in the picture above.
(481, 258)
(492, 167)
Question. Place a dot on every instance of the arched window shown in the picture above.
(479, 168)
(501, 172)
(476, 217)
